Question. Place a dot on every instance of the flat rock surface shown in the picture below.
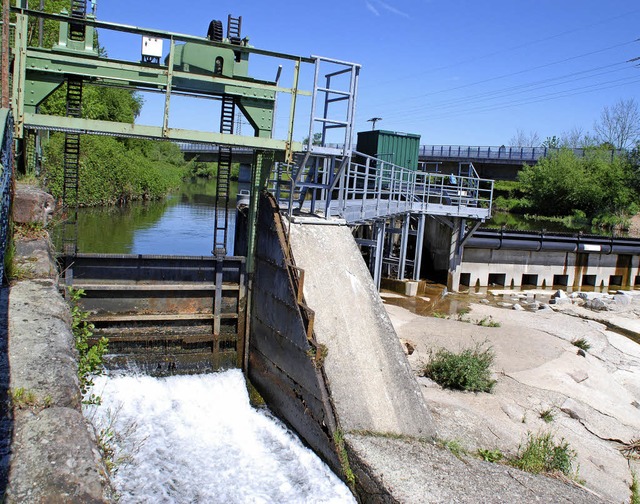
(418, 472)
(594, 399)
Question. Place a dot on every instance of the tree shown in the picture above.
(522, 139)
(619, 125)
(552, 142)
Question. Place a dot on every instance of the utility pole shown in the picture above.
(374, 120)
(5, 53)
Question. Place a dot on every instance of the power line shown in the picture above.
(520, 72)
(547, 97)
(515, 90)
(496, 53)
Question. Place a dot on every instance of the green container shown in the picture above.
(398, 148)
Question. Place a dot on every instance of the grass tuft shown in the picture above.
(581, 343)
(490, 455)
(453, 445)
(542, 454)
(635, 489)
(467, 370)
(547, 415)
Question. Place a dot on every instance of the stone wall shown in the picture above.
(50, 451)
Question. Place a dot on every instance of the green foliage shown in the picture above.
(90, 357)
(338, 439)
(581, 343)
(467, 370)
(114, 171)
(488, 322)
(635, 489)
(541, 453)
(547, 415)
(490, 455)
(595, 184)
(453, 445)
(210, 170)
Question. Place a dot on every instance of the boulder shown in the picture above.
(31, 204)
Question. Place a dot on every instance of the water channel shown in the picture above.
(189, 439)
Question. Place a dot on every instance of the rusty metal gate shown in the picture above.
(165, 314)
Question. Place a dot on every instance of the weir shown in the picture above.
(300, 312)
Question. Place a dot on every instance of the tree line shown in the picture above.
(601, 187)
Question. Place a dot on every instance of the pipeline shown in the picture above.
(552, 242)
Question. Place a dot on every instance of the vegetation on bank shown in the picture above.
(469, 369)
(116, 171)
(597, 189)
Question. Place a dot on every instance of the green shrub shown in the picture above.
(467, 370)
(581, 343)
(541, 453)
(90, 357)
(490, 455)
(635, 489)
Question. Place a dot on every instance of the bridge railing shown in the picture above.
(371, 188)
(497, 153)
(6, 158)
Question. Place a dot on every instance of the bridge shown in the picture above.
(496, 162)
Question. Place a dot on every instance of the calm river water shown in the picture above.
(181, 224)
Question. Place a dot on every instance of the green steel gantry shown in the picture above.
(212, 67)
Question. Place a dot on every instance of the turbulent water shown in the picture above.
(196, 439)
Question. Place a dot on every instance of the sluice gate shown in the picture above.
(165, 314)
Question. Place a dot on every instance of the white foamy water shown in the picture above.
(196, 439)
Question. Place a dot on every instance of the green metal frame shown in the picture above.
(39, 72)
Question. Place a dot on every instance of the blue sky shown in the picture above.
(457, 72)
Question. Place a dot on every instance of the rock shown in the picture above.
(503, 304)
(574, 409)
(513, 411)
(622, 299)
(598, 304)
(579, 375)
(560, 294)
(407, 346)
(31, 204)
(582, 353)
(484, 301)
(517, 307)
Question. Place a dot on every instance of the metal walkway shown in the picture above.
(361, 189)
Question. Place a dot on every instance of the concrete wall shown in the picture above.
(482, 267)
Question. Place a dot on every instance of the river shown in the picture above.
(192, 439)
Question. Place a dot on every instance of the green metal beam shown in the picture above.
(91, 126)
(159, 34)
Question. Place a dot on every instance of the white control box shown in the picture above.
(151, 47)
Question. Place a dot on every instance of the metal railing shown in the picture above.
(365, 188)
(6, 158)
(498, 153)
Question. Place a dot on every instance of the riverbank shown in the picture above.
(50, 453)
(543, 383)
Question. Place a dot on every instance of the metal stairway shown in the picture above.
(71, 169)
(220, 232)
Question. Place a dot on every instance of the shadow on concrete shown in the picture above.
(6, 412)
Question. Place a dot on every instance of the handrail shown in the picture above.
(363, 188)
(501, 152)
(6, 158)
